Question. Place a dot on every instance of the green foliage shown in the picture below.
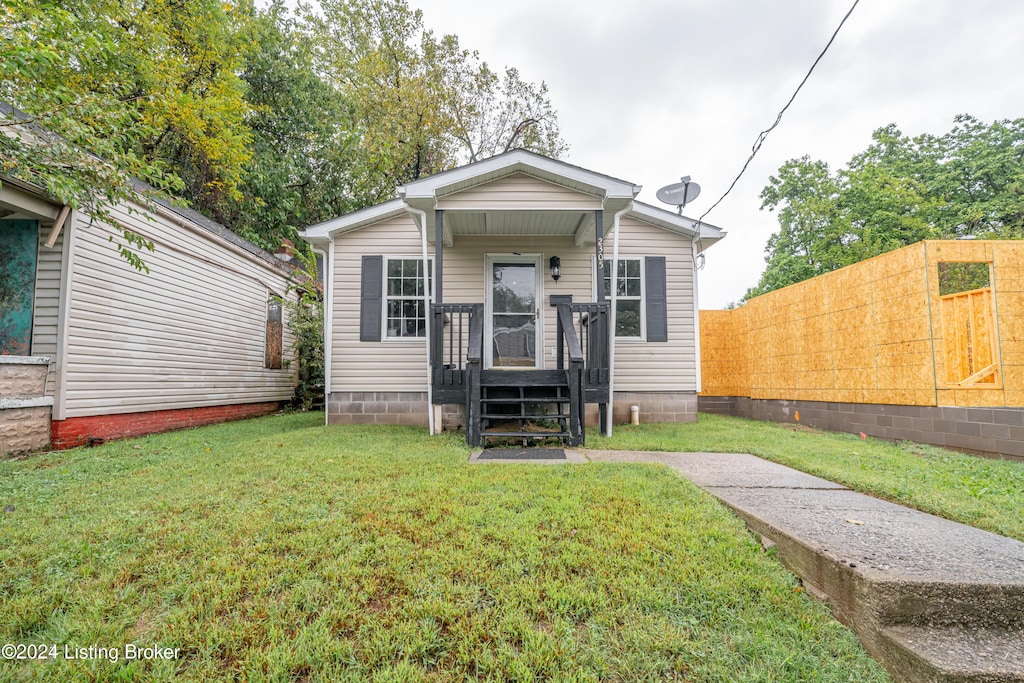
(277, 549)
(963, 276)
(305, 321)
(262, 121)
(422, 103)
(302, 133)
(969, 181)
(114, 89)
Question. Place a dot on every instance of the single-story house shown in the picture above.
(530, 262)
(92, 349)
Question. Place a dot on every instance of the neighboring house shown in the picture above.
(107, 351)
(505, 343)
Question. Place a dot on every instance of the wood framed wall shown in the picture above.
(878, 332)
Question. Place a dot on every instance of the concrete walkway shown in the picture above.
(933, 600)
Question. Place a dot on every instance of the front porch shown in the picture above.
(492, 356)
(496, 397)
(458, 305)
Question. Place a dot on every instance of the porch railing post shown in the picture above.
(438, 255)
(599, 247)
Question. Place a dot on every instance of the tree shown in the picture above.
(104, 90)
(422, 103)
(302, 135)
(899, 191)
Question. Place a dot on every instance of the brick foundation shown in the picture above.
(79, 431)
(989, 431)
(664, 406)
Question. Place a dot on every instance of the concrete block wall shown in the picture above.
(378, 407)
(410, 408)
(24, 408)
(990, 431)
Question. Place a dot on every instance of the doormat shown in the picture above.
(522, 454)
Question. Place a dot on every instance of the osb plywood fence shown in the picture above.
(938, 323)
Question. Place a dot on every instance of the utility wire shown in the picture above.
(764, 134)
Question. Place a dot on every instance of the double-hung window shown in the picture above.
(405, 301)
(629, 309)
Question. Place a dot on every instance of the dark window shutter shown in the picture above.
(657, 302)
(370, 305)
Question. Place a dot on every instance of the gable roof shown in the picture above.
(615, 194)
(705, 233)
(517, 161)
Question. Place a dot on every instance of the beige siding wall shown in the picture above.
(671, 365)
(400, 365)
(47, 302)
(519, 191)
(393, 365)
(189, 333)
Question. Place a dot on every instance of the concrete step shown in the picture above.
(960, 655)
(897, 576)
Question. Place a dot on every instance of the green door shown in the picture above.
(19, 242)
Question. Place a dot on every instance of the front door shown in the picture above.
(513, 308)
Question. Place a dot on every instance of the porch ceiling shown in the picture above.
(545, 223)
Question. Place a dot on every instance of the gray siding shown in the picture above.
(46, 305)
(190, 333)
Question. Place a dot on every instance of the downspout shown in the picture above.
(611, 317)
(430, 298)
(696, 308)
(328, 324)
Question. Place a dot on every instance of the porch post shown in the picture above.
(602, 408)
(438, 256)
(599, 250)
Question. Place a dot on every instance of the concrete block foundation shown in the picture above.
(987, 431)
(24, 408)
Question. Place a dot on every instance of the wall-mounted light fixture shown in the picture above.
(556, 267)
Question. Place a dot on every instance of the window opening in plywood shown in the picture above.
(968, 324)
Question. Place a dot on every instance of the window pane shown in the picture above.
(627, 319)
(633, 286)
(394, 286)
(394, 268)
(409, 268)
(514, 288)
(394, 317)
(633, 268)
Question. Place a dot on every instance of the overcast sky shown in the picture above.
(650, 91)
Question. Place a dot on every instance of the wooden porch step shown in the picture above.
(526, 435)
(513, 400)
(528, 416)
(523, 378)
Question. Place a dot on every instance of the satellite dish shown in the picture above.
(679, 194)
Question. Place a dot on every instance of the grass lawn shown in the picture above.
(280, 550)
(982, 492)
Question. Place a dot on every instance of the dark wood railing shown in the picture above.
(590, 320)
(569, 345)
(456, 360)
(451, 346)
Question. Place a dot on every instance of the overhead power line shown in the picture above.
(764, 134)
